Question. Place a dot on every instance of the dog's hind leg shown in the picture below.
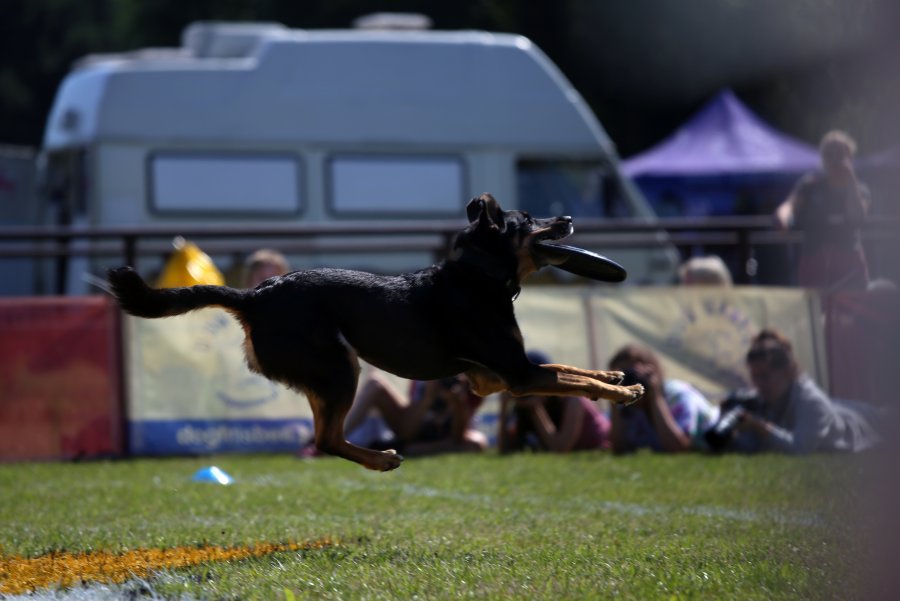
(323, 367)
(328, 416)
(330, 387)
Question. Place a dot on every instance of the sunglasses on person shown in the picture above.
(775, 357)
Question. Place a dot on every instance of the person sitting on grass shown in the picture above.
(672, 416)
(437, 417)
(795, 415)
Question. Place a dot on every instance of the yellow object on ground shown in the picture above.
(21, 575)
(189, 266)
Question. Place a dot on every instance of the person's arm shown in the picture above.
(812, 419)
(379, 393)
(461, 412)
(773, 437)
(564, 438)
(617, 429)
(786, 213)
(671, 435)
(672, 438)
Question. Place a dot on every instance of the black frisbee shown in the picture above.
(583, 262)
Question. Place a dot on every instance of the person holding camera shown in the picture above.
(671, 417)
(437, 417)
(787, 412)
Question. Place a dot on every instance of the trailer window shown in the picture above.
(218, 183)
(396, 186)
(576, 188)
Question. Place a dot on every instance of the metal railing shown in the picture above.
(433, 236)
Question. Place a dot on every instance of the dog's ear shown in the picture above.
(487, 211)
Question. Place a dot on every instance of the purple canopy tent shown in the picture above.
(725, 161)
(724, 138)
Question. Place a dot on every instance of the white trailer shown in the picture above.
(18, 275)
(258, 123)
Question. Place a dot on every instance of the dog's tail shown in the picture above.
(137, 298)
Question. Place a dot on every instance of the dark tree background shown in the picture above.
(643, 65)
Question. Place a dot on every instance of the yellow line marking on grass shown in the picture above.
(63, 569)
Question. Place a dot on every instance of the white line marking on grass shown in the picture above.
(791, 518)
(133, 589)
(418, 491)
(424, 491)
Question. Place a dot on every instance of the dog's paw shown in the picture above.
(607, 377)
(614, 377)
(625, 395)
(389, 460)
(636, 391)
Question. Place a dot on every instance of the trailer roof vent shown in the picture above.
(394, 21)
(218, 39)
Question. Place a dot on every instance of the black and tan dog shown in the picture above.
(307, 328)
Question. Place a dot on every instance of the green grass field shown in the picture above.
(582, 526)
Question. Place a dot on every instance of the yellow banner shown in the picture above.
(192, 367)
(701, 333)
(187, 370)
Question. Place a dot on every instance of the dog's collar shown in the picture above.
(488, 264)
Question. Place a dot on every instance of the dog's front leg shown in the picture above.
(582, 385)
(609, 377)
(555, 380)
(550, 381)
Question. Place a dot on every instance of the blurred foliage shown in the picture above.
(805, 66)
(643, 65)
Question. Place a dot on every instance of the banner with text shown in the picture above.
(190, 391)
(701, 333)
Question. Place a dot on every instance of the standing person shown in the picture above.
(551, 423)
(436, 418)
(262, 265)
(671, 417)
(795, 415)
(830, 207)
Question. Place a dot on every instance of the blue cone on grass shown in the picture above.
(212, 474)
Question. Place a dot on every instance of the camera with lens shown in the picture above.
(733, 410)
(632, 377)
